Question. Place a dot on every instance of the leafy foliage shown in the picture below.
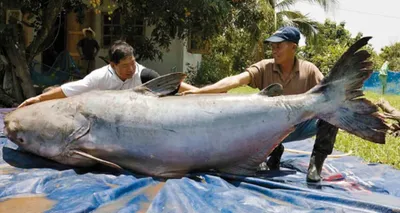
(392, 55)
(171, 19)
(239, 47)
(42, 15)
(332, 41)
(284, 15)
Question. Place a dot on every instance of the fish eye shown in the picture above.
(20, 140)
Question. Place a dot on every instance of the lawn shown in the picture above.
(388, 153)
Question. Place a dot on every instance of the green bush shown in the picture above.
(230, 54)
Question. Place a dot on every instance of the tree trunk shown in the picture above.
(6, 80)
(49, 16)
(19, 56)
(393, 114)
(13, 48)
(390, 112)
(17, 90)
(22, 78)
(6, 100)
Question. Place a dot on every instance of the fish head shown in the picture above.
(38, 131)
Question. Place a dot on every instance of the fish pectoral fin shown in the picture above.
(78, 133)
(107, 163)
(162, 86)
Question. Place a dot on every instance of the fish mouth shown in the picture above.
(11, 135)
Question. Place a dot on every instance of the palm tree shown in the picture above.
(283, 15)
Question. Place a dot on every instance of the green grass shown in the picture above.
(375, 153)
(243, 90)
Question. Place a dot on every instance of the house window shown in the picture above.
(112, 28)
(197, 45)
(13, 16)
(138, 28)
(134, 29)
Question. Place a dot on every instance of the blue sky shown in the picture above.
(379, 19)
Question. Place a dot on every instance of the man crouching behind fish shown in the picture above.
(123, 72)
(148, 131)
(296, 76)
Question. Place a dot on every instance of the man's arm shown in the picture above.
(186, 87)
(86, 84)
(223, 85)
(55, 93)
(149, 74)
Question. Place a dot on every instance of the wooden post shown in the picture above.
(74, 34)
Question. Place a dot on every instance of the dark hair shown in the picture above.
(119, 50)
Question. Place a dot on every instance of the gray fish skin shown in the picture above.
(169, 136)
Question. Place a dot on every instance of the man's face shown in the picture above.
(283, 51)
(89, 34)
(125, 68)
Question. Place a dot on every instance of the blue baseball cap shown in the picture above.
(285, 34)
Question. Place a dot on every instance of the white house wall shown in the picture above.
(172, 58)
(190, 59)
(175, 59)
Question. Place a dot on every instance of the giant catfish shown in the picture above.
(148, 131)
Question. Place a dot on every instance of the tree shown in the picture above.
(284, 15)
(238, 47)
(392, 55)
(235, 48)
(200, 20)
(16, 54)
(171, 19)
(334, 39)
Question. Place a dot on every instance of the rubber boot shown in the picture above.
(324, 142)
(315, 167)
(274, 160)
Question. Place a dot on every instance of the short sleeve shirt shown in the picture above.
(304, 76)
(103, 78)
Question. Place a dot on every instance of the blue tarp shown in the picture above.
(374, 84)
(350, 185)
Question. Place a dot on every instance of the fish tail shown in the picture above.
(344, 105)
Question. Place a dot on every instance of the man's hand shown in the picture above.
(29, 101)
(192, 91)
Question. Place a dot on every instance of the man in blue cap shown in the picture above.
(296, 76)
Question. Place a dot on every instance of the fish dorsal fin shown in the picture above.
(162, 86)
(275, 89)
(107, 163)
